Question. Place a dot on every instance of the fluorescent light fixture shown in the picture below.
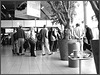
(42, 7)
(4, 7)
(9, 15)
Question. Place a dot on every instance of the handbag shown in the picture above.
(26, 44)
(53, 38)
(33, 40)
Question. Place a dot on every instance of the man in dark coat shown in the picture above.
(89, 37)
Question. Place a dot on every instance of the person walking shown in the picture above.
(44, 40)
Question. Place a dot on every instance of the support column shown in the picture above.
(35, 36)
(84, 10)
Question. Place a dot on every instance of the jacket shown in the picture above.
(20, 33)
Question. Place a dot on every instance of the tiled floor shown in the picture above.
(48, 64)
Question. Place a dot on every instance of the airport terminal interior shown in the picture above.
(36, 14)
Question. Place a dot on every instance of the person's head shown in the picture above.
(20, 26)
(86, 26)
(77, 24)
(44, 26)
(16, 29)
(51, 29)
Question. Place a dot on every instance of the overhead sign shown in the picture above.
(31, 10)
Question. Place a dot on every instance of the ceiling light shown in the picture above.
(4, 7)
(9, 15)
(42, 7)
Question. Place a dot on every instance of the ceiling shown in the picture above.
(8, 10)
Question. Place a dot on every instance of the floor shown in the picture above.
(48, 64)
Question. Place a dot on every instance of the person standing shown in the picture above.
(89, 36)
(49, 37)
(71, 32)
(79, 33)
(52, 38)
(55, 34)
(21, 38)
(14, 41)
(44, 40)
(32, 42)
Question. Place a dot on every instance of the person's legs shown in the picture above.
(55, 46)
(84, 46)
(13, 50)
(32, 44)
(52, 45)
(43, 49)
(89, 42)
(47, 46)
(18, 46)
(21, 42)
(81, 45)
(15, 47)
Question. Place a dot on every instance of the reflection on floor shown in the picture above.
(48, 64)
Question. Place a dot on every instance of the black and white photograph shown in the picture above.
(49, 37)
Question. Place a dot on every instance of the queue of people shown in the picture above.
(21, 41)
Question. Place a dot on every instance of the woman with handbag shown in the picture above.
(32, 41)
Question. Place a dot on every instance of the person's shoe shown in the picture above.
(25, 50)
(17, 53)
(33, 55)
(51, 53)
(43, 54)
(22, 54)
(13, 51)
